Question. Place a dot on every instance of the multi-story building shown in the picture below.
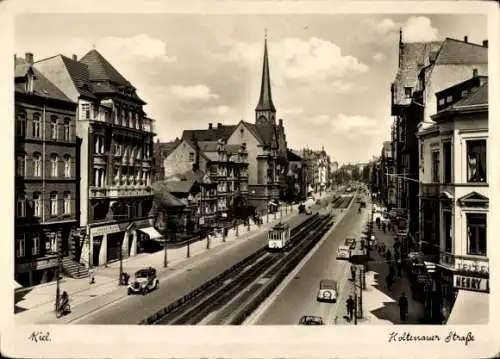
(387, 178)
(115, 170)
(297, 179)
(225, 166)
(455, 177)
(45, 174)
(160, 151)
(412, 58)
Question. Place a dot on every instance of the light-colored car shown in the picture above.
(145, 280)
(343, 252)
(311, 320)
(328, 291)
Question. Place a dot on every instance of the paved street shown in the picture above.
(298, 297)
(105, 302)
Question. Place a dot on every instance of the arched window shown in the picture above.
(37, 205)
(54, 159)
(53, 127)
(37, 164)
(20, 165)
(21, 205)
(53, 204)
(21, 124)
(66, 129)
(67, 203)
(67, 166)
(36, 125)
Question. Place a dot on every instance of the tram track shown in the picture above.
(215, 299)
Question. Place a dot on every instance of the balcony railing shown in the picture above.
(118, 192)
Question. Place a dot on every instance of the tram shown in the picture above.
(279, 237)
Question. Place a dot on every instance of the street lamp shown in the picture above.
(58, 271)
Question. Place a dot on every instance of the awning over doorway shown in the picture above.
(17, 285)
(152, 233)
(470, 308)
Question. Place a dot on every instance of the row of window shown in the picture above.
(476, 162)
(129, 152)
(36, 204)
(122, 176)
(123, 117)
(35, 238)
(58, 131)
(22, 161)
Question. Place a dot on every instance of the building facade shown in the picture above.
(46, 186)
(454, 173)
(115, 154)
(160, 152)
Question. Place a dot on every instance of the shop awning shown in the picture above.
(17, 285)
(470, 308)
(153, 234)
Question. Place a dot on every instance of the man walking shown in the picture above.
(350, 307)
(403, 307)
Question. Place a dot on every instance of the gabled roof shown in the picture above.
(80, 75)
(191, 144)
(457, 52)
(214, 134)
(162, 194)
(41, 86)
(473, 199)
(165, 148)
(293, 156)
(180, 186)
(101, 70)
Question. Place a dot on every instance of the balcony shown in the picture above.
(118, 192)
(473, 265)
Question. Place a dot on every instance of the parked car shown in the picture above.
(327, 291)
(343, 252)
(311, 320)
(145, 280)
(350, 242)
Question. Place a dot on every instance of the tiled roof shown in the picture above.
(253, 129)
(218, 132)
(80, 75)
(192, 175)
(414, 56)
(208, 146)
(456, 52)
(163, 149)
(41, 86)
(479, 97)
(166, 198)
(101, 70)
(180, 186)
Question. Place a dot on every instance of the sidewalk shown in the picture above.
(380, 305)
(38, 302)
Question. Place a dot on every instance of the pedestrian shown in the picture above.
(389, 226)
(383, 227)
(378, 222)
(399, 267)
(353, 273)
(403, 306)
(388, 255)
(389, 280)
(413, 291)
(92, 276)
(350, 307)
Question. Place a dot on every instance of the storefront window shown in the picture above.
(476, 161)
(476, 230)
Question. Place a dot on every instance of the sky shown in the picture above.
(330, 74)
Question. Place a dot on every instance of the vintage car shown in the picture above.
(327, 291)
(350, 242)
(343, 252)
(145, 280)
(311, 320)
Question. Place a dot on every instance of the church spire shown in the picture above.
(265, 110)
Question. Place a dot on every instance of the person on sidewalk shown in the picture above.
(388, 256)
(383, 227)
(350, 307)
(403, 307)
(399, 266)
(353, 272)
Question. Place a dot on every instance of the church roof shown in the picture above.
(265, 100)
(100, 69)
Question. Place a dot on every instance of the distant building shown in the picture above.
(115, 168)
(455, 200)
(160, 151)
(46, 185)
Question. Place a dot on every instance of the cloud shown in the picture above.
(385, 31)
(354, 125)
(140, 47)
(193, 93)
(293, 59)
(419, 29)
(320, 119)
(379, 57)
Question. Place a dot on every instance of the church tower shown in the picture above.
(265, 112)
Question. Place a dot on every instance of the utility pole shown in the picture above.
(361, 287)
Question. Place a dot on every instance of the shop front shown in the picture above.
(471, 305)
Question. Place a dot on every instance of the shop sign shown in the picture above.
(470, 283)
(37, 265)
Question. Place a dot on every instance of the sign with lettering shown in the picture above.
(111, 228)
(470, 283)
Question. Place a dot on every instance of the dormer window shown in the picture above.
(29, 82)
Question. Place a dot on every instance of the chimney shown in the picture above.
(474, 73)
(280, 122)
(466, 39)
(74, 57)
(219, 125)
(15, 59)
(209, 126)
(485, 43)
(29, 58)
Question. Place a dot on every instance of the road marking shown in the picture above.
(262, 308)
